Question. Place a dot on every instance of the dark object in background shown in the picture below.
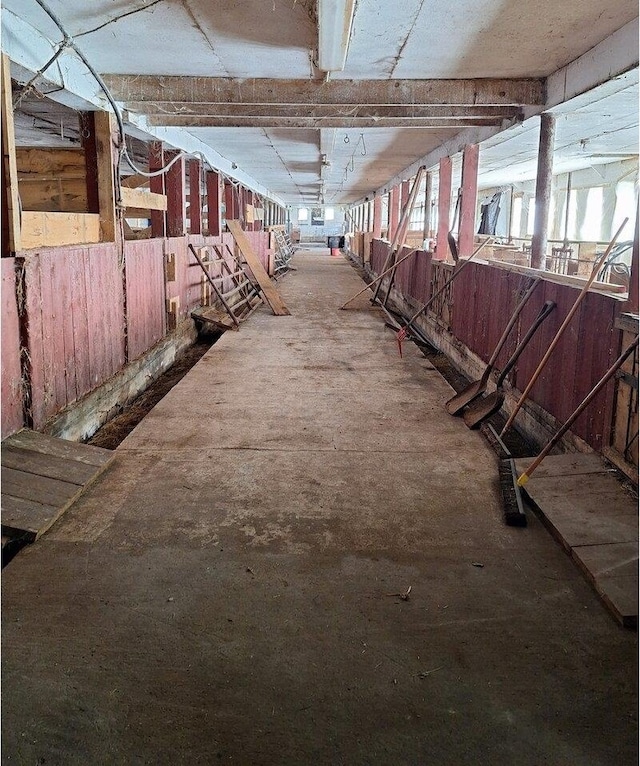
(335, 242)
(489, 215)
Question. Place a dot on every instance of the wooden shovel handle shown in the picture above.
(594, 272)
(579, 410)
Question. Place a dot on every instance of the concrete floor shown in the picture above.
(222, 593)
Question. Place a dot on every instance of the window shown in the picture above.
(303, 214)
(329, 214)
(516, 217)
(590, 229)
(531, 215)
(625, 208)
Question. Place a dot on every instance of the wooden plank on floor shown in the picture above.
(613, 571)
(26, 517)
(271, 295)
(49, 445)
(595, 519)
(572, 464)
(52, 467)
(218, 319)
(40, 489)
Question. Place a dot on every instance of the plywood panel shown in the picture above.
(55, 229)
(12, 417)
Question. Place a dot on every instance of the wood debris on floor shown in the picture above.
(595, 519)
(41, 477)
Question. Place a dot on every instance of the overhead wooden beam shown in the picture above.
(310, 123)
(141, 198)
(435, 111)
(223, 90)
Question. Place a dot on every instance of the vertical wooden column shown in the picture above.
(633, 304)
(469, 198)
(405, 188)
(105, 169)
(195, 197)
(230, 208)
(157, 186)
(212, 179)
(175, 191)
(10, 199)
(428, 191)
(544, 178)
(88, 140)
(377, 217)
(444, 208)
(394, 212)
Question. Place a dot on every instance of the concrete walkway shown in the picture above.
(223, 593)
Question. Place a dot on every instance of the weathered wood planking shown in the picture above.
(52, 179)
(75, 315)
(270, 293)
(12, 414)
(596, 521)
(42, 477)
(49, 445)
(146, 320)
(43, 229)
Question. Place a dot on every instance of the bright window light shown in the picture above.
(626, 207)
(516, 217)
(531, 215)
(590, 229)
(329, 214)
(303, 214)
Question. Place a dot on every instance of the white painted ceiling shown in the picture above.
(401, 39)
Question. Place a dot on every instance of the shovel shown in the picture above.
(474, 416)
(457, 403)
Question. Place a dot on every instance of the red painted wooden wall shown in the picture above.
(12, 419)
(484, 298)
(146, 308)
(74, 304)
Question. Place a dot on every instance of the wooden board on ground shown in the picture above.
(270, 293)
(43, 476)
(595, 519)
(219, 319)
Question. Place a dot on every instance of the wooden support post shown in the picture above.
(195, 197)
(394, 200)
(543, 190)
(444, 209)
(175, 191)
(213, 203)
(428, 191)
(232, 208)
(10, 199)
(157, 185)
(377, 217)
(88, 138)
(633, 304)
(106, 168)
(404, 192)
(468, 201)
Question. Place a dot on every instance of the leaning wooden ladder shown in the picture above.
(284, 252)
(238, 295)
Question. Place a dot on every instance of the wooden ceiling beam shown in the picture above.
(199, 121)
(439, 111)
(223, 90)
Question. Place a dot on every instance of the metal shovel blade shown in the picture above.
(457, 403)
(474, 416)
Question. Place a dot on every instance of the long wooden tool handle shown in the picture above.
(448, 282)
(512, 321)
(379, 277)
(524, 478)
(594, 271)
(544, 312)
(396, 237)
